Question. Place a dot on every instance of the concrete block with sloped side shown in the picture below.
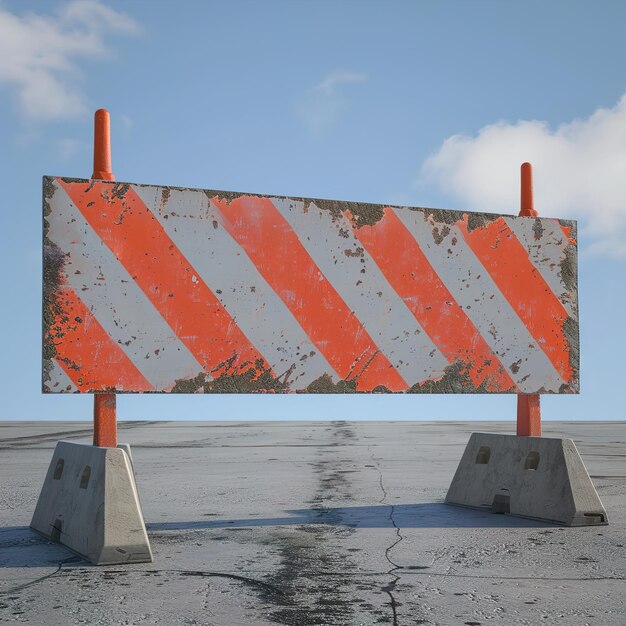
(89, 503)
(537, 477)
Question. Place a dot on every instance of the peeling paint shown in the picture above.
(440, 216)
(165, 195)
(257, 379)
(358, 252)
(444, 218)
(362, 213)
(538, 229)
(571, 333)
(479, 220)
(53, 263)
(570, 226)
(455, 379)
(48, 192)
(569, 268)
(325, 384)
(223, 196)
(440, 236)
(119, 190)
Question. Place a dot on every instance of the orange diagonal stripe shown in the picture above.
(408, 271)
(168, 279)
(567, 231)
(87, 354)
(274, 248)
(507, 262)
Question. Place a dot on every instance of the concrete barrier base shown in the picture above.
(536, 477)
(89, 503)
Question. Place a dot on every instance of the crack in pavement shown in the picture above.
(391, 587)
(71, 559)
(107, 573)
(244, 579)
(395, 568)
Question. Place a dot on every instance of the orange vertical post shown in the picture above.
(528, 406)
(104, 404)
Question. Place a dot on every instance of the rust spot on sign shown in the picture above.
(165, 196)
(571, 334)
(357, 252)
(455, 379)
(257, 379)
(325, 384)
(440, 236)
(119, 190)
(362, 213)
(53, 278)
(538, 229)
(479, 220)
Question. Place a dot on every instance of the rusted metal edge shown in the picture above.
(569, 275)
(364, 213)
(52, 267)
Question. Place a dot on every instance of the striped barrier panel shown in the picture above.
(163, 289)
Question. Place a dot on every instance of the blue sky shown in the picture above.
(420, 103)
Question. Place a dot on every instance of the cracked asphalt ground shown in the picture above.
(308, 523)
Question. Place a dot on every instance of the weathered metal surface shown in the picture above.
(161, 289)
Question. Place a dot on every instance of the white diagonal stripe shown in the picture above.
(115, 299)
(363, 287)
(546, 253)
(482, 301)
(193, 224)
(59, 381)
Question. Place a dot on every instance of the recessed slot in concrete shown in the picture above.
(532, 461)
(58, 470)
(595, 518)
(84, 479)
(57, 529)
(482, 458)
(501, 503)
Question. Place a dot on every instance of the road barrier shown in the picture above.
(164, 289)
(161, 289)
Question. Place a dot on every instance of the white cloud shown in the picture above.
(324, 103)
(38, 54)
(579, 171)
(329, 84)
